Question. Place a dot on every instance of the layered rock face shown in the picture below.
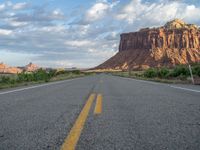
(175, 43)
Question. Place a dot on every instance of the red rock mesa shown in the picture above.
(174, 43)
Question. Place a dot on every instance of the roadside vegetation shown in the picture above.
(178, 74)
(40, 76)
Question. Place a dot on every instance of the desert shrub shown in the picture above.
(25, 77)
(36, 76)
(196, 70)
(21, 77)
(52, 73)
(163, 73)
(61, 72)
(13, 81)
(76, 71)
(5, 79)
(151, 73)
(182, 77)
(41, 75)
(181, 71)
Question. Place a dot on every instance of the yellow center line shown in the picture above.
(73, 137)
(98, 106)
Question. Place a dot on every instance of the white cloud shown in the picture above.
(5, 32)
(2, 7)
(97, 11)
(131, 11)
(19, 6)
(17, 24)
(55, 28)
(192, 13)
(79, 43)
(137, 12)
(57, 14)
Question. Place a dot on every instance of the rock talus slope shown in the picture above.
(174, 43)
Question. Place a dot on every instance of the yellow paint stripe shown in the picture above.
(73, 137)
(98, 107)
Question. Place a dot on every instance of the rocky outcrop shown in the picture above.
(174, 43)
(31, 67)
(5, 69)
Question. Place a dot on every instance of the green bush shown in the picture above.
(36, 76)
(182, 77)
(151, 73)
(196, 70)
(52, 73)
(76, 71)
(5, 79)
(41, 75)
(25, 77)
(181, 71)
(13, 81)
(163, 73)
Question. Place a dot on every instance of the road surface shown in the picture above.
(101, 112)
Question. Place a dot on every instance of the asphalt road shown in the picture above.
(129, 114)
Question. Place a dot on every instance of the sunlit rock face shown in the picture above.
(174, 43)
(5, 69)
(31, 67)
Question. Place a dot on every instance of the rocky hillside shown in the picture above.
(174, 43)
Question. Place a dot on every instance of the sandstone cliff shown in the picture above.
(174, 43)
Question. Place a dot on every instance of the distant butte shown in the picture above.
(174, 43)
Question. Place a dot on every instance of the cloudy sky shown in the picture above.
(79, 33)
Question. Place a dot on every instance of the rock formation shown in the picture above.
(31, 67)
(9, 70)
(174, 43)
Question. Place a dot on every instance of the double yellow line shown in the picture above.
(74, 134)
(98, 107)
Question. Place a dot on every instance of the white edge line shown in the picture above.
(186, 89)
(36, 86)
(151, 82)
